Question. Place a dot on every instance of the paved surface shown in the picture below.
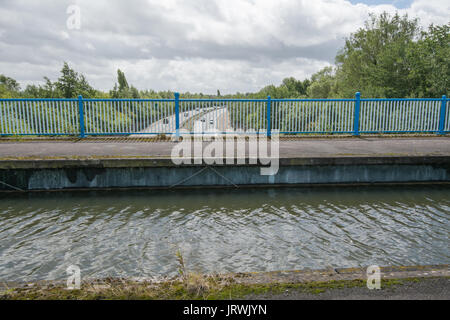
(336, 274)
(213, 121)
(168, 124)
(424, 289)
(411, 282)
(299, 148)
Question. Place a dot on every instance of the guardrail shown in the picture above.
(140, 117)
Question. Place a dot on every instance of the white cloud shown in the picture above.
(202, 45)
(430, 11)
(208, 75)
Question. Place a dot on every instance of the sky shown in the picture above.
(195, 46)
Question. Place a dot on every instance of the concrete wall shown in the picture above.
(99, 175)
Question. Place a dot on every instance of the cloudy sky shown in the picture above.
(196, 46)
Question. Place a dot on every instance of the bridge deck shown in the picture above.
(299, 148)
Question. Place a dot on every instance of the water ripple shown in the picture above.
(138, 233)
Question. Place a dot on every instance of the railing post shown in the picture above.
(177, 114)
(356, 115)
(442, 114)
(269, 107)
(81, 116)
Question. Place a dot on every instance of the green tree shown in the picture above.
(296, 88)
(122, 80)
(71, 84)
(9, 87)
(323, 84)
(134, 93)
(9, 83)
(123, 89)
(48, 90)
(374, 59)
(67, 81)
(429, 63)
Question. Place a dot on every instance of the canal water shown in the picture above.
(138, 233)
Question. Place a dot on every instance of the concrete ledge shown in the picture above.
(146, 162)
(305, 276)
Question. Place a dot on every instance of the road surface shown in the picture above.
(167, 125)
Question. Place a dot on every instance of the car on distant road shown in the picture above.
(165, 121)
(211, 121)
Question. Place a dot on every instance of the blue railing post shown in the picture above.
(81, 116)
(356, 115)
(177, 114)
(442, 114)
(269, 112)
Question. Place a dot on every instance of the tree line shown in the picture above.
(389, 57)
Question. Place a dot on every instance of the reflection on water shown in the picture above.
(136, 233)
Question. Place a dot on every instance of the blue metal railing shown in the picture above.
(140, 117)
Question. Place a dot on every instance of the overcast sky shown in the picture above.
(196, 46)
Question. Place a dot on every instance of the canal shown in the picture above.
(138, 233)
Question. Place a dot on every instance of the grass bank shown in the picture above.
(193, 287)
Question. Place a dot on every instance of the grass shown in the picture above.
(187, 286)
(191, 286)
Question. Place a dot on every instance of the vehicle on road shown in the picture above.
(211, 121)
(165, 121)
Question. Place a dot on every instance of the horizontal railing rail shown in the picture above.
(142, 117)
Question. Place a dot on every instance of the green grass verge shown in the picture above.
(193, 287)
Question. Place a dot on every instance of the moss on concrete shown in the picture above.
(194, 287)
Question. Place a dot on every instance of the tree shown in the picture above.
(429, 63)
(9, 83)
(83, 88)
(374, 59)
(323, 84)
(296, 88)
(48, 90)
(71, 84)
(134, 93)
(289, 88)
(123, 89)
(9, 88)
(67, 81)
(122, 80)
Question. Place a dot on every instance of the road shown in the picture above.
(167, 125)
(211, 120)
(216, 120)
